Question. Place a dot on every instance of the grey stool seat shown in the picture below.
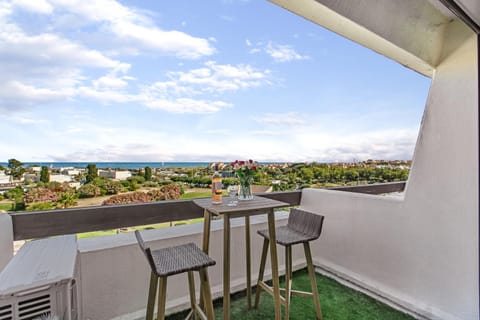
(285, 236)
(302, 227)
(179, 259)
(175, 260)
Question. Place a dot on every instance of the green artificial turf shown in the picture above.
(338, 303)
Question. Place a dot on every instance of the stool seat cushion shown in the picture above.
(179, 259)
(286, 236)
(302, 226)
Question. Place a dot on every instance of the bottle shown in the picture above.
(216, 188)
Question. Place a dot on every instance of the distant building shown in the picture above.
(113, 174)
(60, 178)
(71, 171)
(4, 179)
(31, 177)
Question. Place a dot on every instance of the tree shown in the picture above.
(16, 194)
(67, 199)
(148, 173)
(44, 175)
(92, 172)
(16, 168)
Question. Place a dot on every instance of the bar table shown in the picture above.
(244, 208)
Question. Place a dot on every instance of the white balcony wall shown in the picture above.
(115, 274)
(420, 251)
(6, 239)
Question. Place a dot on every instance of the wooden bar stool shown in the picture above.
(174, 260)
(302, 227)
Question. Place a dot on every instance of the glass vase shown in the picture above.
(245, 188)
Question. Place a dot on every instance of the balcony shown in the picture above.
(113, 279)
(417, 252)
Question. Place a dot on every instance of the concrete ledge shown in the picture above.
(6, 239)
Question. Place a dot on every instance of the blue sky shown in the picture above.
(216, 80)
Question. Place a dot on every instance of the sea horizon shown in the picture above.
(123, 165)
(114, 164)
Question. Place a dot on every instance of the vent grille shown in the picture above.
(34, 307)
(6, 312)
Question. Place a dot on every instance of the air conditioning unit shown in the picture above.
(40, 280)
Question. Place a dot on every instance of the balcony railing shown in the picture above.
(29, 225)
(121, 296)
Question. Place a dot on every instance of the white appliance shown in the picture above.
(40, 280)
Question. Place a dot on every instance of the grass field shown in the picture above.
(192, 195)
(5, 206)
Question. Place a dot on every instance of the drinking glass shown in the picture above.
(232, 193)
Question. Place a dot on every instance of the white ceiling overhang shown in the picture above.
(408, 31)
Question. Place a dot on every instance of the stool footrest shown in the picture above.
(265, 287)
(200, 312)
(299, 293)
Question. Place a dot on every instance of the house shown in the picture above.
(60, 178)
(4, 178)
(115, 174)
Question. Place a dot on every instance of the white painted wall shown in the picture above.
(421, 251)
(6, 239)
(115, 274)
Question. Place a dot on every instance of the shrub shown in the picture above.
(38, 206)
(137, 179)
(150, 184)
(167, 192)
(89, 190)
(132, 197)
(40, 195)
(112, 187)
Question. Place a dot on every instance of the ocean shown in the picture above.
(116, 165)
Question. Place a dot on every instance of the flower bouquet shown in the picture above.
(245, 171)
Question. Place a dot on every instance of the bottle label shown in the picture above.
(217, 187)
(217, 191)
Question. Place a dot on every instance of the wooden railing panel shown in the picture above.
(374, 188)
(38, 224)
(28, 225)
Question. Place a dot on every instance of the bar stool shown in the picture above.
(302, 227)
(175, 260)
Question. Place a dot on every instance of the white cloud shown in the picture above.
(373, 144)
(191, 91)
(175, 43)
(186, 105)
(215, 77)
(37, 6)
(137, 29)
(283, 53)
(279, 52)
(44, 68)
(279, 119)
(105, 95)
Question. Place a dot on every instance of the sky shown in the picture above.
(217, 80)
